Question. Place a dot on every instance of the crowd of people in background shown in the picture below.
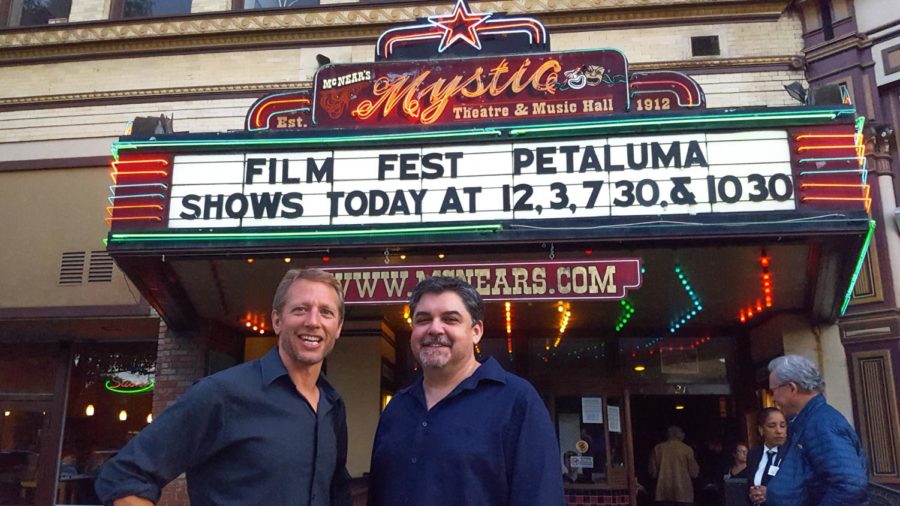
(807, 453)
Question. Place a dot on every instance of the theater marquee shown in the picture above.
(695, 173)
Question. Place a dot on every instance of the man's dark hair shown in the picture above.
(763, 415)
(440, 284)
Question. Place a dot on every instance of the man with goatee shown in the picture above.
(465, 433)
(269, 431)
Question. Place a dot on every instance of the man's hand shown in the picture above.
(757, 495)
(132, 500)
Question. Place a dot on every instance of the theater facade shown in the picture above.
(635, 247)
(642, 255)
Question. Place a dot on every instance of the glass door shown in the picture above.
(24, 427)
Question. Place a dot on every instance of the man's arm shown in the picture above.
(536, 476)
(340, 482)
(838, 460)
(185, 434)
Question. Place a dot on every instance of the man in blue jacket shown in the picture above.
(823, 461)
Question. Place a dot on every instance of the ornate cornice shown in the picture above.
(850, 41)
(259, 89)
(353, 24)
(179, 93)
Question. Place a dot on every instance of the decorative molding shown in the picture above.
(883, 327)
(705, 66)
(850, 41)
(346, 24)
(791, 61)
(72, 99)
(876, 400)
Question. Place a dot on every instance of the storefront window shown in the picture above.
(20, 450)
(110, 400)
(34, 12)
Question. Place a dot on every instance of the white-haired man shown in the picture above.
(823, 463)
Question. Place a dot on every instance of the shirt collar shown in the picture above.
(273, 368)
(812, 404)
(490, 370)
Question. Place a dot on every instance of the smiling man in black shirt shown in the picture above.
(269, 431)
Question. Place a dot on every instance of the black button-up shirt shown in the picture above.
(490, 442)
(243, 436)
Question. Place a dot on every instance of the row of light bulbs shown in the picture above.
(327, 259)
(123, 415)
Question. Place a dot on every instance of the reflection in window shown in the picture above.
(276, 4)
(150, 8)
(110, 400)
(35, 12)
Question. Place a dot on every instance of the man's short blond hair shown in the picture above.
(311, 274)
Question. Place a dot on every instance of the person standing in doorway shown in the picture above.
(465, 433)
(764, 460)
(269, 431)
(673, 465)
(823, 462)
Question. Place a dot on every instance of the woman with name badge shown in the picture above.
(764, 460)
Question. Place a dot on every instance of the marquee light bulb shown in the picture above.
(150, 418)
(89, 410)
(123, 415)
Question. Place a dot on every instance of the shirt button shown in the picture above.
(424, 424)
(414, 460)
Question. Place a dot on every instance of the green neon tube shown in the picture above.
(129, 390)
(601, 125)
(859, 263)
(229, 236)
(481, 132)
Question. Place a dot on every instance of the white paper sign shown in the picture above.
(604, 177)
(615, 422)
(591, 410)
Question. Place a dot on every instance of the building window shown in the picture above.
(707, 45)
(276, 4)
(122, 9)
(34, 12)
(825, 12)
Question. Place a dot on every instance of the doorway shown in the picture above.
(711, 428)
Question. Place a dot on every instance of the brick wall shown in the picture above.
(180, 361)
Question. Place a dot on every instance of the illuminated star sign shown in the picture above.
(460, 24)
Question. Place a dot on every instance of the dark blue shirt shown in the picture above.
(490, 442)
(244, 436)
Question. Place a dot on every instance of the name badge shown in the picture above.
(773, 470)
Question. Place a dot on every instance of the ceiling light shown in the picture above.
(639, 368)
(287, 260)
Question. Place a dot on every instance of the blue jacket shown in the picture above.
(824, 463)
